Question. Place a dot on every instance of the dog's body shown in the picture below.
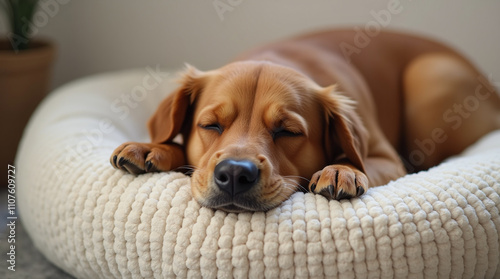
(257, 129)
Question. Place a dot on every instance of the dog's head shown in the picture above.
(255, 132)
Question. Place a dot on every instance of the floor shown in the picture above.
(30, 263)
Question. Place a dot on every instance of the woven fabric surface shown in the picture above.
(97, 222)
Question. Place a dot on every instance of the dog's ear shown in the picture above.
(344, 128)
(171, 115)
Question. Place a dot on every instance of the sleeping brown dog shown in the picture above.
(316, 113)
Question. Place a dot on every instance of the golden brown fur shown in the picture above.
(301, 115)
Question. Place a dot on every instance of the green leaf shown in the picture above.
(20, 14)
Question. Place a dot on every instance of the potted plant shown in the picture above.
(25, 73)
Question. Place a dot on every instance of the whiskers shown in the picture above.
(291, 181)
(187, 169)
(291, 184)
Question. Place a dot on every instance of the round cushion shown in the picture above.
(94, 221)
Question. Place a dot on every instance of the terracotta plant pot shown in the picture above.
(25, 79)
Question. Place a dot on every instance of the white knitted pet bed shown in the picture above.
(97, 222)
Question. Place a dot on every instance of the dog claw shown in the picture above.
(148, 166)
(331, 190)
(114, 159)
(343, 195)
(328, 192)
(360, 191)
(121, 162)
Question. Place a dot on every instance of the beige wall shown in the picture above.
(96, 35)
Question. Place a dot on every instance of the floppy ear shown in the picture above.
(344, 127)
(171, 116)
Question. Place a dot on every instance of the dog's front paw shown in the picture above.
(137, 158)
(339, 182)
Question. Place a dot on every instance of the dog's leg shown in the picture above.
(449, 106)
(139, 158)
(380, 165)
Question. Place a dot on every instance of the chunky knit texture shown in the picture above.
(97, 222)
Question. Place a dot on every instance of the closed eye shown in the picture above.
(213, 127)
(282, 132)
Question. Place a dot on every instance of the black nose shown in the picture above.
(236, 177)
